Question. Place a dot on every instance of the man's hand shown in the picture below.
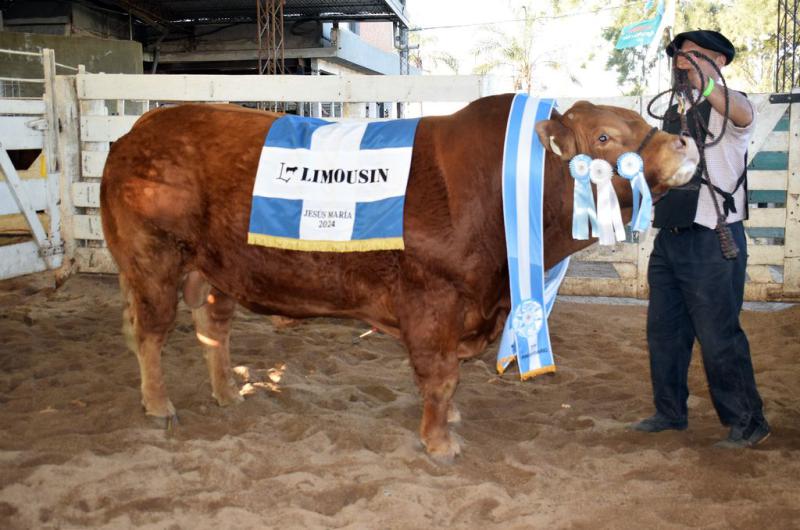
(740, 111)
(694, 76)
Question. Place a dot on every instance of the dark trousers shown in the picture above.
(696, 292)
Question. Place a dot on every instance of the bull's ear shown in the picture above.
(557, 138)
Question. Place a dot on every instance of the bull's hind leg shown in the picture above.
(149, 313)
(212, 321)
(430, 331)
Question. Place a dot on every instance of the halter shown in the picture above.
(646, 140)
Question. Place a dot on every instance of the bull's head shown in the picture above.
(606, 132)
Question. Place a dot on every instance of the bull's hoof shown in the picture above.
(160, 410)
(443, 451)
(228, 396)
(167, 423)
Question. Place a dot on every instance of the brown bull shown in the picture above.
(175, 201)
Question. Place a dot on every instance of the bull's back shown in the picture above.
(165, 169)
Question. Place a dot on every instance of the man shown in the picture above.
(696, 291)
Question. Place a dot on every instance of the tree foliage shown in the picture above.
(749, 24)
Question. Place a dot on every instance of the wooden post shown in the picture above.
(69, 157)
(52, 252)
(353, 110)
(315, 107)
(791, 262)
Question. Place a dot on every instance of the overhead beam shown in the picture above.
(152, 14)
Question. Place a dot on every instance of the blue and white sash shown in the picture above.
(526, 338)
(337, 187)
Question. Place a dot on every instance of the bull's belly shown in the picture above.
(305, 284)
(362, 286)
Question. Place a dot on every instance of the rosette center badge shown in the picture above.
(528, 318)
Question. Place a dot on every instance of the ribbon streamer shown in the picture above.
(583, 212)
(609, 216)
(630, 166)
(526, 338)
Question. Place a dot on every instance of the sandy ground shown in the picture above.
(326, 437)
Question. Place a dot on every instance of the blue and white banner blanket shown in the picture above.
(526, 338)
(337, 187)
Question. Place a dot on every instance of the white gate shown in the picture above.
(29, 124)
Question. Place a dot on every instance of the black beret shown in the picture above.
(710, 40)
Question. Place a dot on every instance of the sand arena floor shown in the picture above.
(326, 437)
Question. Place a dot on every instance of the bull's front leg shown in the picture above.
(430, 331)
(212, 321)
(437, 377)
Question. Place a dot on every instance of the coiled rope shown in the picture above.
(688, 99)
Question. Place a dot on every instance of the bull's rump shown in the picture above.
(182, 178)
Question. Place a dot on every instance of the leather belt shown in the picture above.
(694, 227)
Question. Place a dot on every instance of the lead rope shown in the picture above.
(685, 94)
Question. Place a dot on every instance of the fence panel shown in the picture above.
(29, 197)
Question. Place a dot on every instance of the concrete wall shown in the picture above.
(59, 17)
(378, 34)
(88, 22)
(98, 55)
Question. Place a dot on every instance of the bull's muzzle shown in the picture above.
(687, 148)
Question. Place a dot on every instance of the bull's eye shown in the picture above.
(603, 138)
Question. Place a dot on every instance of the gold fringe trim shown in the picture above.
(310, 245)
(504, 363)
(538, 371)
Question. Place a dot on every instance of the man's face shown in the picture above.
(687, 46)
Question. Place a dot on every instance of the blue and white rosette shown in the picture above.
(630, 166)
(583, 211)
(527, 321)
(609, 216)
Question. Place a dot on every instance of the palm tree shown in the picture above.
(515, 48)
(425, 57)
(499, 48)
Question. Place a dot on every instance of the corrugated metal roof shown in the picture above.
(226, 11)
